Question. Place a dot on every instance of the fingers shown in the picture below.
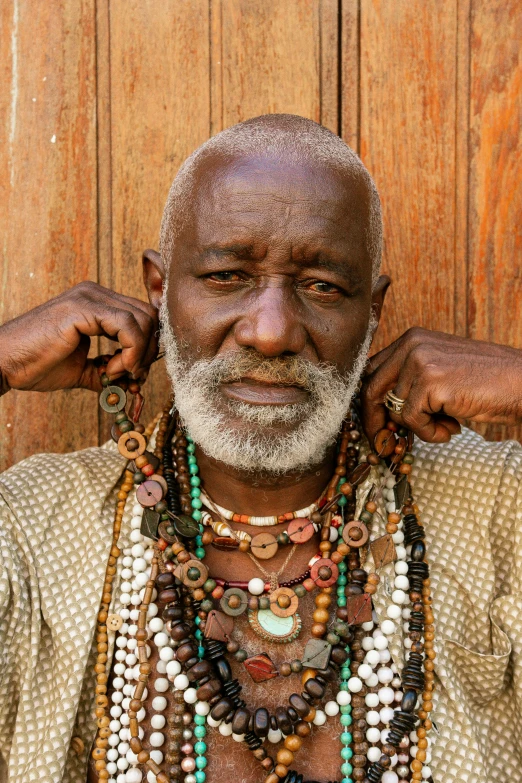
(407, 368)
(417, 415)
(136, 335)
(387, 376)
(134, 324)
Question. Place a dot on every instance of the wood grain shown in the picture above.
(407, 140)
(160, 112)
(349, 67)
(47, 197)
(270, 58)
(329, 75)
(495, 177)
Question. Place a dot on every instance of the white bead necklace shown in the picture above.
(268, 521)
(122, 761)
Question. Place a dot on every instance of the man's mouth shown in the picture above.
(258, 392)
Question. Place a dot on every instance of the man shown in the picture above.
(269, 291)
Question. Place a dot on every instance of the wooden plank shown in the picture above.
(407, 131)
(271, 58)
(495, 177)
(349, 108)
(47, 197)
(462, 166)
(329, 28)
(160, 112)
(216, 66)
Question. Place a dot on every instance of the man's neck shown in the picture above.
(261, 494)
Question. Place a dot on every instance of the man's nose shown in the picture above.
(271, 324)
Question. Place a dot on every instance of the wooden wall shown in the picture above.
(101, 101)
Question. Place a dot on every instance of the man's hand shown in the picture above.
(444, 379)
(46, 349)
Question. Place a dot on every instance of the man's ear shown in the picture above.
(153, 276)
(378, 294)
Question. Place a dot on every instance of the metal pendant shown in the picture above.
(271, 628)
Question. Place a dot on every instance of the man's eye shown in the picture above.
(321, 287)
(224, 277)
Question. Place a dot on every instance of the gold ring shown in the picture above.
(394, 403)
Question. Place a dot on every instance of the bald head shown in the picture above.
(280, 138)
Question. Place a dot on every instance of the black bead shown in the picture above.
(299, 704)
(418, 550)
(314, 688)
(261, 722)
(222, 709)
(409, 700)
(240, 721)
(251, 740)
(283, 720)
(223, 669)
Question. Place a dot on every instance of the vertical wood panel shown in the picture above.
(329, 77)
(160, 104)
(462, 166)
(495, 176)
(407, 132)
(47, 197)
(270, 58)
(349, 108)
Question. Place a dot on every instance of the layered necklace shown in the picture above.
(168, 600)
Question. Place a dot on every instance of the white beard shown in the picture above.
(202, 407)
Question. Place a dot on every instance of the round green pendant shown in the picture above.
(271, 628)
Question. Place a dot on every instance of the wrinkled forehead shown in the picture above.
(277, 197)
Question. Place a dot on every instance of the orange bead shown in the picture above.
(285, 756)
(306, 675)
(321, 616)
(293, 742)
(322, 601)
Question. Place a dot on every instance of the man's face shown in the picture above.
(272, 265)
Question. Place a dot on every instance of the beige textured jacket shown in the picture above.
(55, 530)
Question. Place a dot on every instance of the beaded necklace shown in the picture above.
(164, 567)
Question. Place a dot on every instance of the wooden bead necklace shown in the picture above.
(354, 649)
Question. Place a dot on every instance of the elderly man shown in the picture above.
(270, 665)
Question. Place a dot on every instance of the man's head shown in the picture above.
(270, 243)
